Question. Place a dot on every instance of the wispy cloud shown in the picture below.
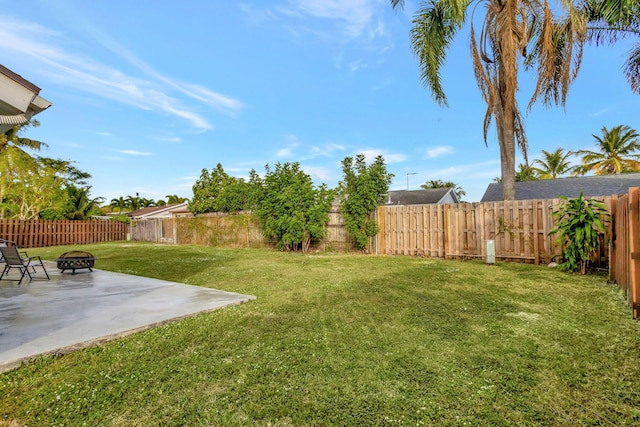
(389, 158)
(327, 150)
(354, 17)
(151, 91)
(441, 150)
(320, 172)
(292, 143)
(348, 20)
(134, 152)
(481, 169)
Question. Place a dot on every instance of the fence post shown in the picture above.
(634, 248)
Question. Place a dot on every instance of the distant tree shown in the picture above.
(553, 165)
(526, 173)
(612, 20)
(147, 203)
(133, 203)
(617, 153)
(174, 198)
(291, 210)
(207, 189)
(120, 204)
(79, 204)
(161, 202)
(363, 189)
(522, 174)
(438, 183)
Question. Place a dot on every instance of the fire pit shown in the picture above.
(75, 260)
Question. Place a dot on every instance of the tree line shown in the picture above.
(292, 210)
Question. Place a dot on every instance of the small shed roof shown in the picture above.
(590, 186)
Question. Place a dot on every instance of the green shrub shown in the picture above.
(579, 225)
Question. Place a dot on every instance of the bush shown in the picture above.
(579, 225)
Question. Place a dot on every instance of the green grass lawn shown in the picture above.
(336, 339)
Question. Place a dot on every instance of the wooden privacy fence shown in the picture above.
(228, 230)
(38, 233)
(519, 228)
(625, 247)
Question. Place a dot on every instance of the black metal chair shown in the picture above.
(13, 259)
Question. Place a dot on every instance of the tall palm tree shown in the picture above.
(617, 152)
(611, 20)
(514, 33)
(553, 165)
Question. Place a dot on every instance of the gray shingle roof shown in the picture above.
(590, 186)
(417, 197)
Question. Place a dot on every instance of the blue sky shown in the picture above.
(148, 93)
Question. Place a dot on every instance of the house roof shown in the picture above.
(590, 186)
(19, 99)
(155, 210)
(419, 197)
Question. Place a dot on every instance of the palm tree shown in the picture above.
(617, 152)
(553, 165)
(526, 173)
(438, 183)
(174, 198)
(133, 203)
(514, 33)
(12, 137)
(79, 203)
(120, 203)
(611, 20)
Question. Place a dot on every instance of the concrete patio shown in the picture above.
(74, 311)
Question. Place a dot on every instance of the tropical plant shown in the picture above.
(438, 183)
(291, 210)
(612, 20)
(617, 152)
(79, 204)
(118, 203)
(13, 138)
(553, 164)
(363, 189)
(147, 203)
(529, 33)
(579, 224)
(525, 173)
(133, 202)
(174, 198)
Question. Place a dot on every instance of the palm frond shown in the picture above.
(434, 27)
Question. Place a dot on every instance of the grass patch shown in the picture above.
(338, 339)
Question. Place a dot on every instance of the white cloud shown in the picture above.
(40, 47)
(441, 150)
(134, 152)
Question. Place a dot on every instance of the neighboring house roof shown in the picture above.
(157, 211)
(19, 100)
(422, 197)
(590, 186)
